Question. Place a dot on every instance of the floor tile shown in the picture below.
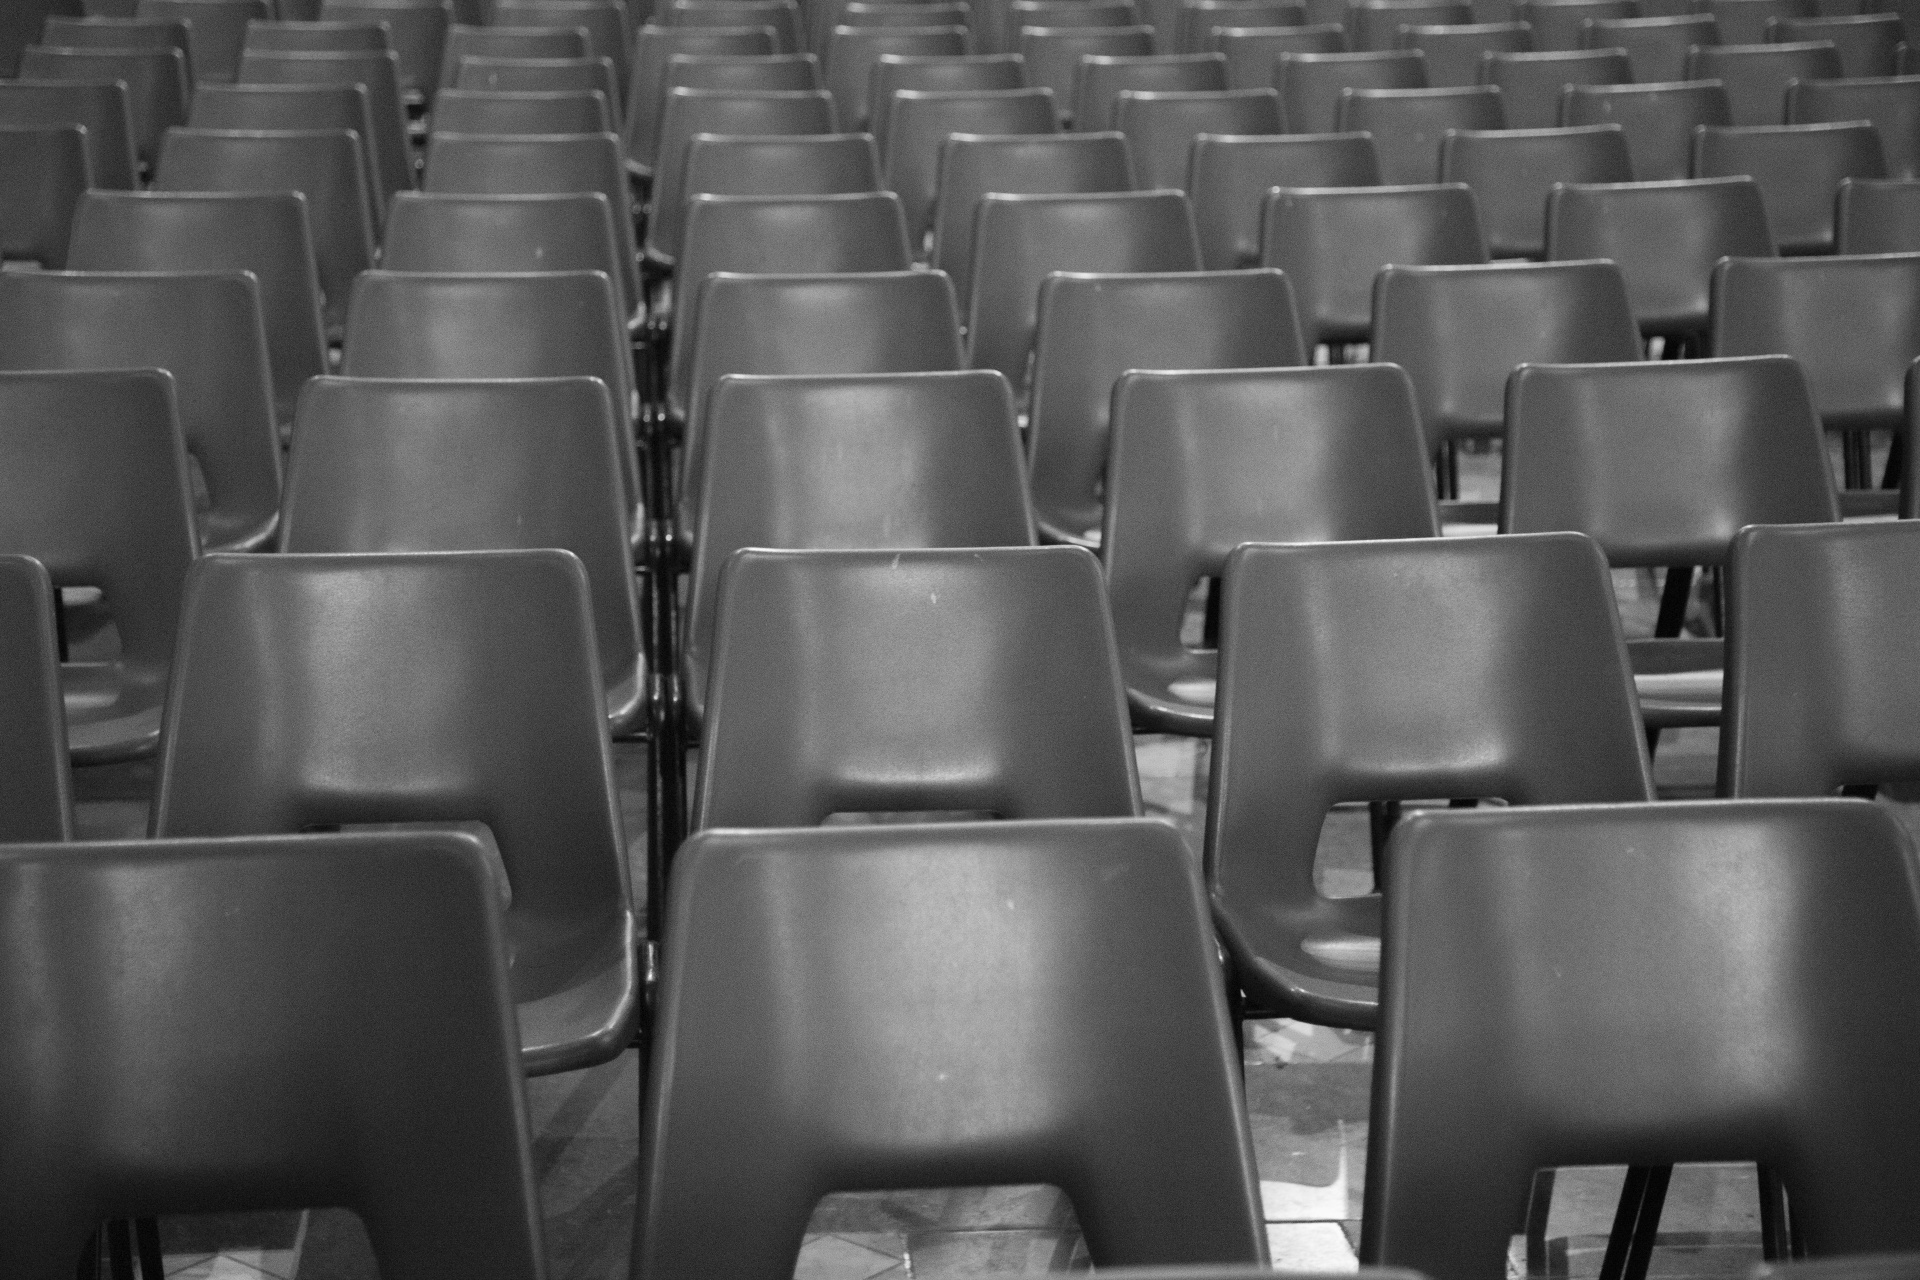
(843, 1258)
(1310, 1246)
(947, 1255)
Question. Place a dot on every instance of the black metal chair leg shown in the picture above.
(1636, 1223)
(1539, 1209)
(119, 1235)
(1675, 595)
(89, 1266)
(1381, 817)
(146, 1243)
(1776, 1235)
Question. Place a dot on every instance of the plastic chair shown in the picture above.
(1530, 84)
(1798, 167)
(1868, 43)
(653, 48)
(972, 165)
(1254, 52)
(1643, 1052)
(1197, 21)
(1460, 331)
(855, 50)
(1018, 240)
(987, 1098)
(298, 108)
(909, 13)
(778, 71)
(1310, 84)
(776, 235)
(974, 679)
(265, 233)
(782, 16)
(1662, 463)
(1656, 48)
(116, 320)
(1230, 177)
(1460, 667)
(1374, 25)
(1818, 626)
(325, 941)
(521, 114)
(155, 80)
(893, 72)
(920, 122)
(390, 465)
(476, 164)
(850, 461)
(510, 732)
(324, 166)
(1407, 124)
(378, 72)
(609, 34)
(1098, 79)
(465, 41)
(542, 75)
(463, 235)
(1017, 16)
(1658, 120)
(96, 489)
(1454, 51)
(689, 112)
(1160, 127)
(1747, 21)
(63, 31)
(1331, 243)
(417, 29)
(289, 36)
(1891, 105)
(100, 108)
(44, 171)
(1877, 217)
(38, 804)
(1204, 461)
(1091, 329)
(1557, 23)
(1756, 76)
(1053, 54)
(1512, 171)
(1853, 325)
(216, 31)
(1665, 237)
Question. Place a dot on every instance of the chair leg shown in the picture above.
(119, 1234)
(1855, 455)
(1674, 598)
(1896, 461)
(1776, 1228)
(1539, 1209)
(1636, 1223)
(1381, 817)
(89, 1266)
(146, 1242)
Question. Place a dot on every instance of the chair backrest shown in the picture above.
(1853, 324)
(221, 375)
(1016, 1014)
(100, 107)
(1873, 216)
(1756, 75)
(465, 41)
(1202, 461)
(1407, 124)
(782, 17)
(609, 33)
(1376, 26)
(781, 164)
(1310, 84)
(36, 801)
(324, 940)
(493, 234)
(1197, 22)
(297, 107)
(62, 31)
(920, 122)
(1658, 120)
(1459, 331)
(1820, 622)
(854, 50)
(541, 75)
(1093, 328)
(379, 72)
(689, 112)
(510, 731)
(1798, 167)
(653, 48)
(736, 71)
(1019, 240)
(1661, 462)
(1454, 51)
(1160, 127)
(1530, 84)
(44, 171)
(851, 461)
(1099, 78)
(1665, 237)
(481, 164)
(96, 489)
(155, 79)
(293, 35)
(776, 235)
(1512, 171)
(1253, 53)
(1868, 43)
(1053, 54)
(1557, 24)
(1890, 104)
(480, 111)
(417, 465)
(324, 165)
(1332, 242)
(1656, 48)
(1646, 1051)
(1230, 177)
(1747, 21)
(216, 31)
(1488, 668)
(893, 72)
(417, 32)
(973, 679)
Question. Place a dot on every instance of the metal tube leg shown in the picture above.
(1539, 1209)
(1776, 1236)
(146, 1242)
(1636, 1223)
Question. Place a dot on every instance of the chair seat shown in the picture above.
(109, 717)
(1326, 969)
(579, 1007)
(1177, 706)
(1678, 681)
(627, 698)
(1345, 951)
(236, 530)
